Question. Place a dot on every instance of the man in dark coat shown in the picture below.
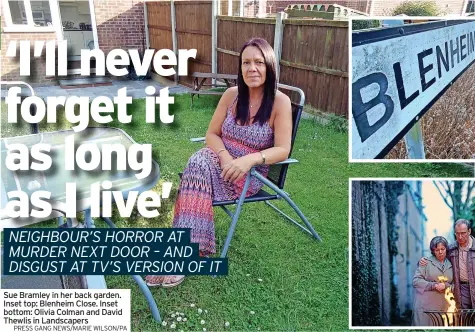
(462, 257)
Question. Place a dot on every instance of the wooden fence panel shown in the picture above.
(315, 58)
(314, 52)
(233, 32)
(193, 27)
(228, 63)
(160, 26)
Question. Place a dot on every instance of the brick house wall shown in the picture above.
(120, 24)
(10, 67)
(448, 7)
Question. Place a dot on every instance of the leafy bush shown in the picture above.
(365, 24)
(337, 123)
(417, 8)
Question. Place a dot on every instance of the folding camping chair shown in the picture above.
(59, 208)
(275, 180)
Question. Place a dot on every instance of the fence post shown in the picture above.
(241, 8)
(147, 35)
(174, 40)
(278, 36)
(415, 142)
(214, 37)
(230, 7)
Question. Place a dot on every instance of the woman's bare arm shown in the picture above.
(282, 130)
(282, 141)
(213, 135)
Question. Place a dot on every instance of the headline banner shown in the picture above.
(162, 251)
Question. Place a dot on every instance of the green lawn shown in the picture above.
(304, 283)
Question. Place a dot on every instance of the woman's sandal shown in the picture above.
(172, 281)
(164, 281)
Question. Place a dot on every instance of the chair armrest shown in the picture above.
(198, 139)
(287, 161)
(284, 162)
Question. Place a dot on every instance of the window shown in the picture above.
(471, 6)
(28, 15)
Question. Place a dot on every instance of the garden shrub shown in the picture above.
(417, 8)
(365, 24)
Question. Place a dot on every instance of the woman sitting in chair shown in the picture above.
(252, 126)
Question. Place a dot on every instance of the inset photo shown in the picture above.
(413, 253)
(412, 89)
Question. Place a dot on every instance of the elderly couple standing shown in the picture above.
(449, 266)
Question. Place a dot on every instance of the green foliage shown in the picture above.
(462, 207)
(393, 190)
(337, 123)
(417, 8)
(365, 306)
(305, 282)
(471, 215)
(365, 24)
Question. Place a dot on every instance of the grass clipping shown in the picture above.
(449, 126)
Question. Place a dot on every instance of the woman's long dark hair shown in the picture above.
(270, 85)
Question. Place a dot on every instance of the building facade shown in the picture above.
(104, 24)
(262, 8)
(410, 224)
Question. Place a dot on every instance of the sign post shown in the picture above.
(415, 142)
(398, 73)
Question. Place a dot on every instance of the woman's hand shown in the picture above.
(237, 168)
(440, 287)
(224, 159)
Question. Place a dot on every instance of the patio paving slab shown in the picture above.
(135, 89)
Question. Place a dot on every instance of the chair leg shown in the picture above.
(149, 297)
(291, 203)
(283, 214)
(108, 222)
(229, 213)
(141, 283)
(88, 219)
(236, 216)
(72, 222)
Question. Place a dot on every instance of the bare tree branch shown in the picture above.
(449, 192)
(452, 193)
(436, 183)
(470, 187)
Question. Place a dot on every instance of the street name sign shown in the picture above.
(397, 75)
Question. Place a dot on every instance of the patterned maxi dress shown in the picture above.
(202, 183)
